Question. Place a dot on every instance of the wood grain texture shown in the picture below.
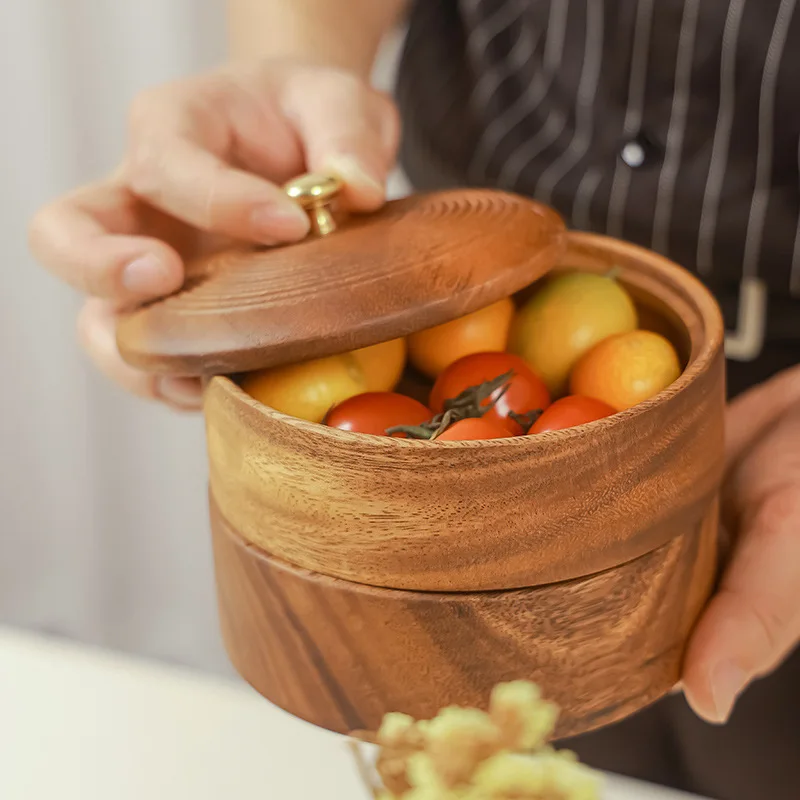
(340, 655)
(420, 261)
(487, 515)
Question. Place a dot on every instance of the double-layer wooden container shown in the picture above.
(358, 574)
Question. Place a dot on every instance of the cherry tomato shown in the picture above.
(382, 364)
(474, 428)
(433, 350)
(374, 412)
(526, 391)
(309, 389)
(571, 411)
(627, 369)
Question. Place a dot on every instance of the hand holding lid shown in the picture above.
(418, 262)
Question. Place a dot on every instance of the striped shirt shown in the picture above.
(674, 124)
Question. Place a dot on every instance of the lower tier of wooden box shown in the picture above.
(340, 655)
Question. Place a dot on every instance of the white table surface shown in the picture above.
(78, 724)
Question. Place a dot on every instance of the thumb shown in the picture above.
(754, 620)
(346, 127)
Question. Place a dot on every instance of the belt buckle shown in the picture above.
(747, 341)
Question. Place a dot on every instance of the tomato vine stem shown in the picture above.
(473, 402)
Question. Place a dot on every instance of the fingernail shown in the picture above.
(727, 682)
(354, 172)
(182, 392)
(278, 221)
(145, 275)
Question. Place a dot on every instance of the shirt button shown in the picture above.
(633, 155)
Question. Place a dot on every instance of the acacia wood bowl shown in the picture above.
(359, 575)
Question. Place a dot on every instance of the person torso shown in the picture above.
(674, 124)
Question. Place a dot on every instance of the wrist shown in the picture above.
(341, 34)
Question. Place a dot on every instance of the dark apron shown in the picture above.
(574, 102)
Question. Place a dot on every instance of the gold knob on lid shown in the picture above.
(316, 193)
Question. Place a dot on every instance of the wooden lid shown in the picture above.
(416, 263)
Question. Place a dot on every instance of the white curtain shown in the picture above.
(103, 525)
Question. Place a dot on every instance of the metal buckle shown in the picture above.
(747, 341)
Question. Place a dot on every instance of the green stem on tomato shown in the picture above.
(526, 421)
(470, 404)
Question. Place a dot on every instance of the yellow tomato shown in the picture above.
(308, 390)
(627, 369)
(568, 316)
(382, 364)
(433, 350)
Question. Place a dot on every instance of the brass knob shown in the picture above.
(316, 193)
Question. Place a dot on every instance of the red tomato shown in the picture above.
(526, 392)
(374, 412)
(474, 428)
(571, 411)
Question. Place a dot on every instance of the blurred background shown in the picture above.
(103, 532)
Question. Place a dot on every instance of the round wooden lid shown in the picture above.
(416, 263)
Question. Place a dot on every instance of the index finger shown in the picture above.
(192, 184)
(750, 414)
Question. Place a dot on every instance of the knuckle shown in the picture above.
(143, 168)
(787, 386)
(770, 619)
(388, 121)
(96, 280)
(775, 513)
(385, 107)
(39, 230)
(151, 126)
(141, 108)
(340, 81)
(49, 239)
(83, 327)
(209, 216)
(334, 89)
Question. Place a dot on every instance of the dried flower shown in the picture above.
(468, 754)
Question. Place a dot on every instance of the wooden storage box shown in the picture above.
(359, 575)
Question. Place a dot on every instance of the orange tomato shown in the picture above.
(310, 389)
(382, 364)
(433, 350)
(627, 369)
(473, 428)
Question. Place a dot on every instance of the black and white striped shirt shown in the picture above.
(674, 124)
